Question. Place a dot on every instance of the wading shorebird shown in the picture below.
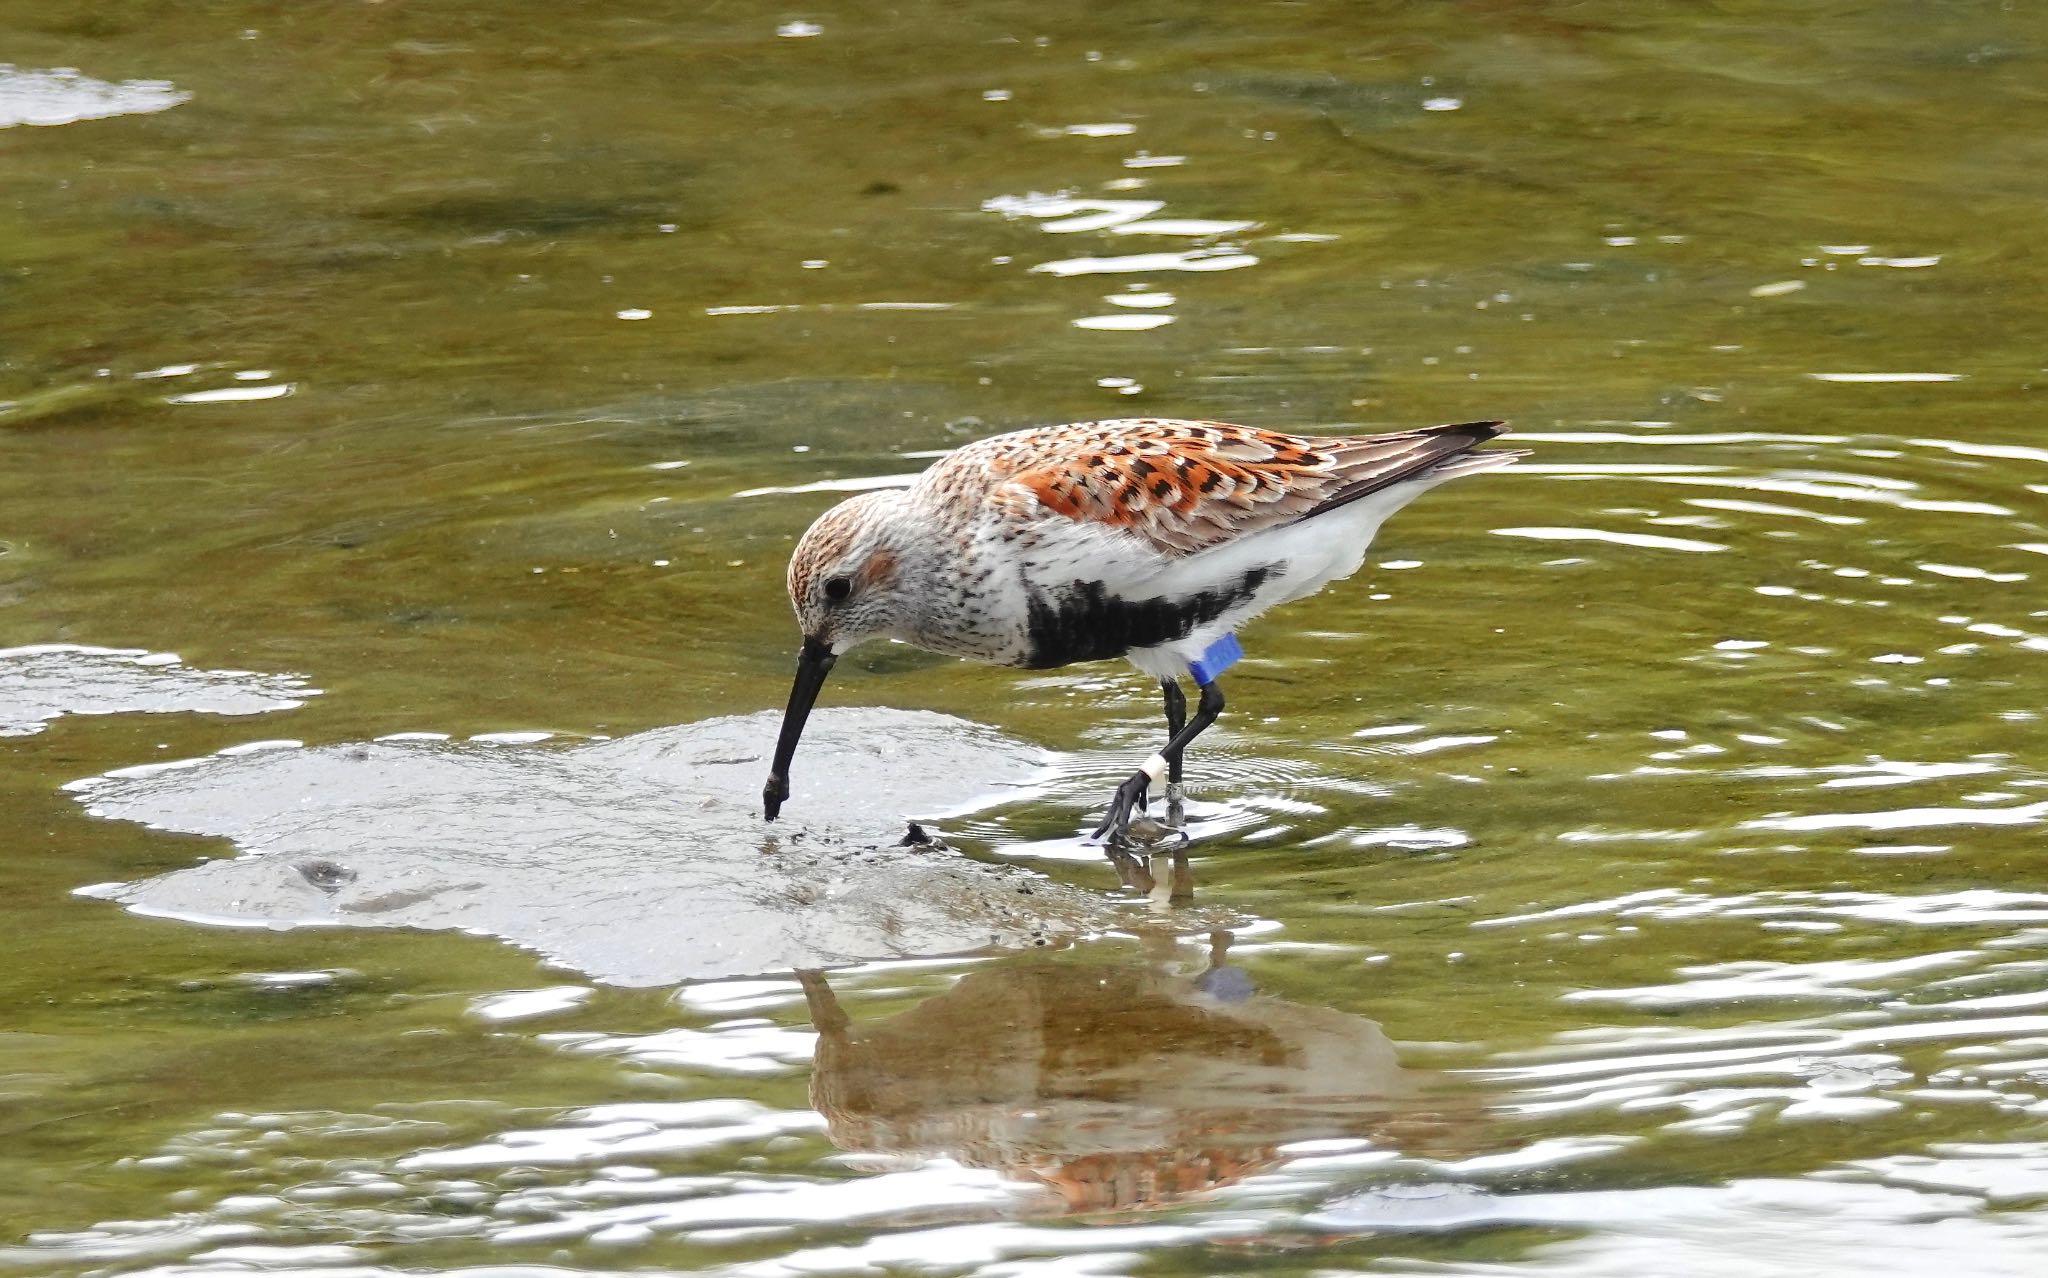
(1148, 539)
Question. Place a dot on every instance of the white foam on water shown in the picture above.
(43, 682)
(63, 95)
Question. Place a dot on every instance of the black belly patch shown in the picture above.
(1084, 622)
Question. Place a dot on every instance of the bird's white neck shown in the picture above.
(950, 598)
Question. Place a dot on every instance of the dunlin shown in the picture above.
(1147, 539)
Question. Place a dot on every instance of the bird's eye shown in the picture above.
(837, 589)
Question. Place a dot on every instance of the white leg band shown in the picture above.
(1154, 767)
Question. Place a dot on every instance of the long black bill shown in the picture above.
(813, 663)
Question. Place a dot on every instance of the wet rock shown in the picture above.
(326, 875)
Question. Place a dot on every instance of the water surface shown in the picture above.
(1647, 835)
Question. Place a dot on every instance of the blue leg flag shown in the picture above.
(1215, 659)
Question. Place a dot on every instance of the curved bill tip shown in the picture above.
(813, 662)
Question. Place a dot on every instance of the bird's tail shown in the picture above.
(1468, 460)
(1474, 462)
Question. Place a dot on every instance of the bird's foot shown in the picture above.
(1155, 835)
(1130, 798)
(1150, 837)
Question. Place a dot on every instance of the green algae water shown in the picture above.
(1633, 870)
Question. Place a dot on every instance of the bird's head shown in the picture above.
(845, 579)
(847, 585)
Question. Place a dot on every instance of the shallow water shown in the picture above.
(1630, 871)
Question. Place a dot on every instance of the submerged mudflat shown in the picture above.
(637, 862)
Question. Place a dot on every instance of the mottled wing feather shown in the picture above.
(1184, 486)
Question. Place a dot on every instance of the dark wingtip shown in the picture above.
(1449, 447)
(1479, 432)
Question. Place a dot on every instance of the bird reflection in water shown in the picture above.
(1118, 1086)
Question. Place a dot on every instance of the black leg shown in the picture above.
(1176, 719)
(1130, 796)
